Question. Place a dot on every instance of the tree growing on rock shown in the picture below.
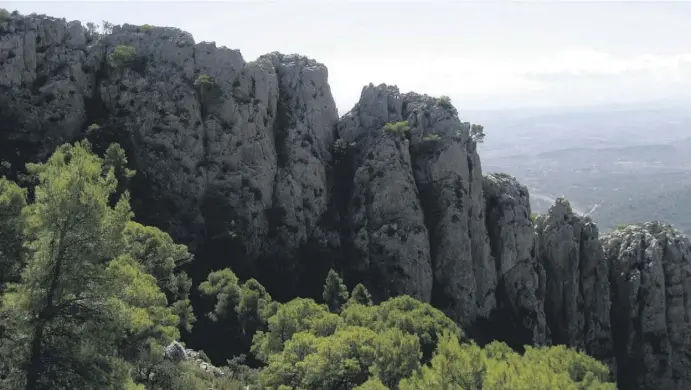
(477, 133)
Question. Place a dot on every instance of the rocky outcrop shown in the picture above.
(520, 317)
(389, 237)
(248, 164)
(651, 310)
(176, 352)
(416, 208)
(243, 154)
(44, 84)
(223, 149)
(577, 303)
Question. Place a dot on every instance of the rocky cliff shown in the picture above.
(651, 306)
(249, 164)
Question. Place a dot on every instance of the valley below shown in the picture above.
(617, 164)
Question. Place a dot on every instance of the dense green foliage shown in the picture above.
(497, 367)
(12, 202)
(91, 299)
(83, 305)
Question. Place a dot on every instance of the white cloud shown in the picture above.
(511, 79)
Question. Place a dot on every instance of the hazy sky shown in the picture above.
(482, 54)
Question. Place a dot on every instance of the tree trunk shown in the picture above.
(35, 367)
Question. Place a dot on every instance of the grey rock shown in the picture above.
(303, 132)
(44, 85)
(651, 313)
(76, 35)
(410, 194)
(243, 156)
(175, 352)
(521, 279)
(577, 303)
(449, 175)
(387, 222)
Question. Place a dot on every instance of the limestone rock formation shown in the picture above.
(249, 164)
(520, 317)
(416, 209)
(577, 303)
(45, 80)
(223, 149)
(651, 310)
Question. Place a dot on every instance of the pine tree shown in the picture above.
(335, 291)
(360, 295)
(12, 201)
(82, 303)
(62, 298)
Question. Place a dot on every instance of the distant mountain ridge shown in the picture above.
(630, 173)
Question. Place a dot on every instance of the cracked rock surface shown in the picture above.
(651, 309)
(577, 303)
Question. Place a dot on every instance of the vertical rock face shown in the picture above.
(520, 317)
(577, 303)
(387, 227)
(44, 78)
(651, 309)
(303, 134)
(416, 208)
(242, 154)
(449, 176)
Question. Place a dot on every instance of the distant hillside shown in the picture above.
(670, 205)
(622, 164)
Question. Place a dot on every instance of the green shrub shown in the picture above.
(145, 28)
(400, 128)
(534, 216)
(621, 226)
(204, 79)
(123, 55)
(431, 138)
(93, 127)
(444, 101)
